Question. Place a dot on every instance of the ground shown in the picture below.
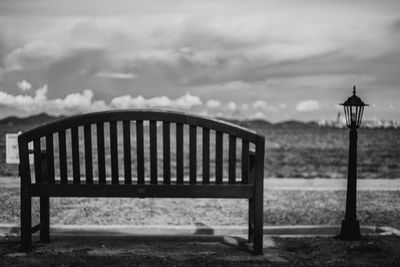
(203, 251)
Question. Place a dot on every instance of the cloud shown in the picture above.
(71, 104)
(258, 115)
(116, 75)
(396, 26)
(259, 104)
(282, 105)
(212, 103)
(307, 106)
(24, 102)
(24, 85)
(231, 106)
(185, 102)
(83, 102)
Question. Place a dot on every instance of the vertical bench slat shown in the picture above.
(140, 151)
(153, 152)
(38, 161)
(232, 159)
(192, 154)
(179, 153)
(101, 161)
(88, 153)
(166, 152)
(114, 152)
(75, 156)
(206, 155)
(218, 157)
(63, 156)
(245, 161)
(50, 158)
(259, 195)
(127, 151)
(25, 200)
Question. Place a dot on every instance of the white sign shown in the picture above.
(12, 155)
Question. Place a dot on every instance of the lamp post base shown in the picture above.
(350, 231)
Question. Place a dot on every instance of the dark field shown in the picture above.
(292, 150)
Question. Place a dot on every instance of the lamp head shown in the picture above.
(353, 110)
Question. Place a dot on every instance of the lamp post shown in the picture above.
(353, 110)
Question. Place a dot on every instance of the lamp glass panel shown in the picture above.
(353, 115)
(360, 114)
(347, 115)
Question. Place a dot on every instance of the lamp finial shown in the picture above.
(354, 90)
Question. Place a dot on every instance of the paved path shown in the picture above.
(317, 184)
(321, 184)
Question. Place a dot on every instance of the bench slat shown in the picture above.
(166, 153)
(153, 152)
(245, 161)
(88, 153)
(127, 151)
(75, 156)
(114, 151)
(140, 151)
(50, 158)
(218, 157)
(38, 161)
(160, 191)
(134, 115)
(192, 154)
(206, 155)
(232, 159)
(179, 153)
(62, 151)
(101, 161)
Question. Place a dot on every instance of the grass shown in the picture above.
(378, 208)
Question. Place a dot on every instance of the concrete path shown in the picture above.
(317, 184)
(195, 230)
(321, 184)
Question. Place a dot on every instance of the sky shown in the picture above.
(271, 60)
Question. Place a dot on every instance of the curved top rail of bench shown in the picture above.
(134, 115)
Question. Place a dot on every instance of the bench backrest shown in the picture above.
(92, 148)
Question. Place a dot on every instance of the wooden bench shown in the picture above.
(83, 155)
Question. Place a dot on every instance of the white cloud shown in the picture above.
(71, 104)
(24, 85)
(82, 102)
(212, 103)
(307, 106)
(259, 104)
(116, 75)
(186, 102)
(262, 105)
(231, 106)
(258, 115)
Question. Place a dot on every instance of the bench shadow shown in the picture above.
(202, 234)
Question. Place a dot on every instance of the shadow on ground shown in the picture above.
(200, 250)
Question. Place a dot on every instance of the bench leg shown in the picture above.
(251, 220)
(26, 222)
(44, 219)
(258, 226)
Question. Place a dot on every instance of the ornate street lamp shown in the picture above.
(353, 110)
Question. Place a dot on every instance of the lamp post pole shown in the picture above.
(353, 109)
(350, 226)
